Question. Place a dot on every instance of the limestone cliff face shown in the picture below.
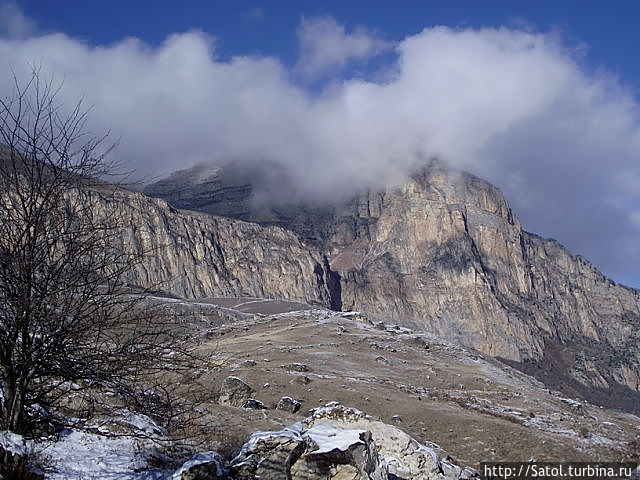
(446, 250)
(196, 255)
(445, 253)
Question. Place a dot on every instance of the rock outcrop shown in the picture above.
(442, 253)
(335, 442)
(316, 453)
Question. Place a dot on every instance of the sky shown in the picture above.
(541, 98)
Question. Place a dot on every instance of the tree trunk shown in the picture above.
(13, 408)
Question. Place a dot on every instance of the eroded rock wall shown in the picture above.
(196, 255)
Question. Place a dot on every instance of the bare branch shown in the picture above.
(68, 324)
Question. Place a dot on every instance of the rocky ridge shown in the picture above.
(444, 253)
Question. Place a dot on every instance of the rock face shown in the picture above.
(443, 253)
(194, 255)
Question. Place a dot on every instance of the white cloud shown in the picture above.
(509, 105)
(326, 47)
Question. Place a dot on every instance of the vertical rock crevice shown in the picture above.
(334, 286)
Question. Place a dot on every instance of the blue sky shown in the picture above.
(608, 31)
(539, 97)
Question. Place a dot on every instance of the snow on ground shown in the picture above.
(82, 455)
(12, 442)
(329, 438)
(325, 437)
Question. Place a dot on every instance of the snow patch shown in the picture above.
(326, 437)
(199, 459)
(571, 401)
(13, 443)
(329, 438)
(80, 455)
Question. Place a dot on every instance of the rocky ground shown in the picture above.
(297, 392)
(475, 407)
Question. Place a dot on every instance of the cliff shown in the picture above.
(196, 255)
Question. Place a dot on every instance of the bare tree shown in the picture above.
(67, 323)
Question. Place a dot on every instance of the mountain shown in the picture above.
(442, 253)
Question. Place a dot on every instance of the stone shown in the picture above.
(356, 461)
(203, 471)
(202, 466)
(295, 367)
(253, 404)
(269, 459)
(405, 457)
(234, 392)
(288, 404)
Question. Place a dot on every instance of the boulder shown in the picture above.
(404, 456)
(317, 453)
(288, 404)
(234, 392)
(267, 457)
(202, 466)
